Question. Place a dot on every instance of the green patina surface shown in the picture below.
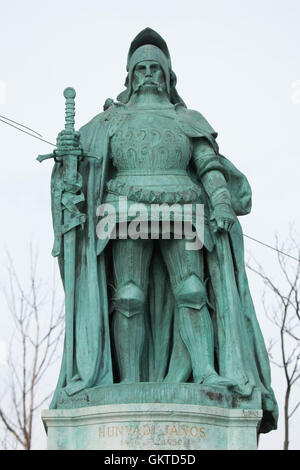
(143, 311)
(184, 393)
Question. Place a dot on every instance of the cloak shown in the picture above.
(239, 345)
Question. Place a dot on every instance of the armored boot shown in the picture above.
(196, 330)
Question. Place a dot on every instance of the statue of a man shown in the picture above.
(148, 309)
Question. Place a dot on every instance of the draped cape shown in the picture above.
(239, 345)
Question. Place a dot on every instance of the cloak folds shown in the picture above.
(240, 350)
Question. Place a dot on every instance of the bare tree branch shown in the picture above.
(295, 409)
(284, 313)
(38, 319)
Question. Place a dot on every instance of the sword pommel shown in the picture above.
(69, 93)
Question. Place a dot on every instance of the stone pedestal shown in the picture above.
(170, 419)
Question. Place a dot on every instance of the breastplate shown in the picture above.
(151, 154)
(150, 141)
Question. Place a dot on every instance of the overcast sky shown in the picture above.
(237, 62)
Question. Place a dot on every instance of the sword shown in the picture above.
(68, 157)
(70, 164)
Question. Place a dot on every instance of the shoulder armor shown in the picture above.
(194, 123)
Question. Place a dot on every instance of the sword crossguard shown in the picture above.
(57, 156)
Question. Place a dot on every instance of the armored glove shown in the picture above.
(223, 216)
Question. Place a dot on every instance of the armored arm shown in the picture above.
(212, 175)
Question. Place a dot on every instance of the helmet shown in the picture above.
(149, 45)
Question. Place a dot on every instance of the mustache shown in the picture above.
(147, 81)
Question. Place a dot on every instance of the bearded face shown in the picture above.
(148, 75)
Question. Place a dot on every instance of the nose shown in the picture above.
(148, 71)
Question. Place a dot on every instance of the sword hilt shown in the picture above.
(69, 94)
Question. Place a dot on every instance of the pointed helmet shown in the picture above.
(149, 45)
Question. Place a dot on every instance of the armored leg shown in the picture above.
(186, 273)
(131, 259)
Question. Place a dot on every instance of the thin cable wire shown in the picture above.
(28, 133)
(43, 140)
(19, 124)
(272, 248)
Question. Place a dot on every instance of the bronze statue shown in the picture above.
(146, 308)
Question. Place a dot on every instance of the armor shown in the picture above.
(191, 293)
(149, 152)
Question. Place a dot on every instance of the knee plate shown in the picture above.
(129, 299)
(191, 293)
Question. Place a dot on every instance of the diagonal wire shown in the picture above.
(25, 132)
(19, 124)
(38, 136)
(272, 248)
